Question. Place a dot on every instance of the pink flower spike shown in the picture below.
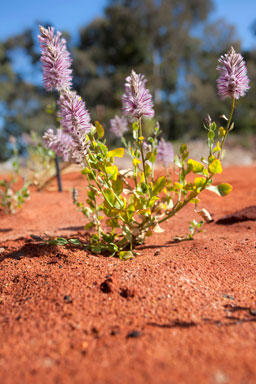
(119, 126)
(61, 143)
(55, 59)
(137, 100)
(75, 118)
(233, 80)
(165, 152)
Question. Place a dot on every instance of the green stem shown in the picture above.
(96, 181)
(109, 185)
(141, 150)
(185, 202)
(227, 126)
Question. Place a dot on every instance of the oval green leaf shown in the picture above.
(215, 167)
(99, 129)
(126, 255)
(118, 152)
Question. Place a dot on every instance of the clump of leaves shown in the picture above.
(12, 198)
(124, 207)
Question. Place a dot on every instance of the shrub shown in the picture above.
(126, 206)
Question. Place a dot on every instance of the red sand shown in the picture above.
(178, 313)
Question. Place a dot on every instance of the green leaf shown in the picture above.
(58, 241)
(135, 126)
(177, 161)
(215, 166)
(211, 158)
(222, 189)
(199, 181)
(213, 126)
(189, 168)
(117, 186)
(136, 162)
(217, 148)
(130, 212)
(152, 201)
(143, 187)
(126, 255)
(184, 151)
(151, 157)
(183, 148)
(112, 172)
(158, 185)
(96, 248)
(118, 152)
(91, 194)
(74, 242)
(148, 169)
(86, 171)
(197, 167)
(89, 226)
(113, 223)
(110, 196)
(99, 129)
(222, 132)
(211, 136)
(112, 248)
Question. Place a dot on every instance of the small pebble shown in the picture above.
(127, 293)
(106, 287)
(227, 296)
(68, 299)
(134, 334)
(115, 331)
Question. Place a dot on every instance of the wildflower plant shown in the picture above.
(12, 197)
(40, 161)
(124, 207)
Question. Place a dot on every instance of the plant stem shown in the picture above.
(109, 184)
(185, 202)
(141, 149)
(96, 181)
(227, 126)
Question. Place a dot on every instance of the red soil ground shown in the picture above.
(178, 313)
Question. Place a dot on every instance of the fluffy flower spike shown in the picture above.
(65, 146)
(137, 100)
(165, 152)
(233, 80)
(75, 118)
(118, 126)
(55, 59)
(61, 143)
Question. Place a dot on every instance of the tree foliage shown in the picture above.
(172, 42)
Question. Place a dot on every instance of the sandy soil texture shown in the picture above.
(178, 313)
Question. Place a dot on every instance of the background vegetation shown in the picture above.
(173, 42)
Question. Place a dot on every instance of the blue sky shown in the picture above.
(71, 14)
(241, 14)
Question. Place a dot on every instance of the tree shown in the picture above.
(22, 103)
(152, 37)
